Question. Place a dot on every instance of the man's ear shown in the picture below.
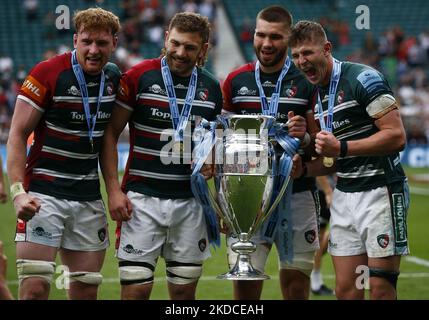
(327, 48)
(74, 40)
(165, 38)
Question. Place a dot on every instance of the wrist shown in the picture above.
(16, 189)
(343, 148)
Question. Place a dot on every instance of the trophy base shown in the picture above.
(243, 270)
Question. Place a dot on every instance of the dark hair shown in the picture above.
(276, 14)
(191, 22)
(306, 30)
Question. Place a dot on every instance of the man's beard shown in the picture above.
(184, 68)
(277, 58)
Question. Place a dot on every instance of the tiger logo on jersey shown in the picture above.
(123, 91)
(340, 97)
(383, 240)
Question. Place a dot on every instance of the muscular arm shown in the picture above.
(119, 205)
(24, 121)
(390, 139)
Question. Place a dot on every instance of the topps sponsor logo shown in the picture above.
(339, 124)
(80, 116)
(279, 115)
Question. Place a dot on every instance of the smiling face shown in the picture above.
(93, 49)
(270, 44)
(183, 51)
(314, 59)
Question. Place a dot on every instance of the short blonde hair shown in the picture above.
(96, 19)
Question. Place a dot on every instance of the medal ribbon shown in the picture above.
(179, 122)
(335, 79)
(90, 119)
(271, 109)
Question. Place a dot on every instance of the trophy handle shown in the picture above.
(281, 192)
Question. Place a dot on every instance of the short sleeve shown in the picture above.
(126, 96)
(35, 89)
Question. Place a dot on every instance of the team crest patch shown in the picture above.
(340, 97)
(291, 92)
(383, 240)
(21, 226)
(203, 94)
(310, 236)
(202, 244)
(102, 234)
(109, 88)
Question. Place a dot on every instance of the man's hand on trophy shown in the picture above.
(223, 227)
(207, 170)
(297, 125)
(297, 167)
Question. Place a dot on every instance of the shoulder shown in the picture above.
(52, 67)
(361, 73)
(208, 77)
(145, 66)
(249, 67)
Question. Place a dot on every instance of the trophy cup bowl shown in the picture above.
(243, 185)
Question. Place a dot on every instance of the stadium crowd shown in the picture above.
(404, 59)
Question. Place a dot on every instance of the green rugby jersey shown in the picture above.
(60, 162)
(149, 169)
(359, 85)
(241, 96)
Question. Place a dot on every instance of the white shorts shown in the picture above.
(73, 225)
(305, 231)
(371, 222)
(172, 228)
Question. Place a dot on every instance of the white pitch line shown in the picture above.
(420, 191)
(417, 260)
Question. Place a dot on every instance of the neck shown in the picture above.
(327, 77)
(273, 69)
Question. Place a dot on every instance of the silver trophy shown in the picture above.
(243, 185)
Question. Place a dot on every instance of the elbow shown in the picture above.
(401, 146)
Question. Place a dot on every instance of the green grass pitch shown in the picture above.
(413, 282)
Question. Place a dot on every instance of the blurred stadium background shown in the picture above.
(396, 43)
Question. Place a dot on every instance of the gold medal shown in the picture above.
(178, 147)
(328, 162)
